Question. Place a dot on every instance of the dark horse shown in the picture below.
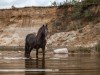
(36, 41)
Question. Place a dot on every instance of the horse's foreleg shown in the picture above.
(43, 51)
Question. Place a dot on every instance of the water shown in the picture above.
(14, 63)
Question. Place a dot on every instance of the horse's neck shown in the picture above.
(40, 36)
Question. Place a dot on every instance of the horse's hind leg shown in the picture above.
(27, 54)
(30, 49)
(36, 53)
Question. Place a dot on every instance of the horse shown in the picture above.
(36, 41)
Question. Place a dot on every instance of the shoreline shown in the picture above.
(70, 51)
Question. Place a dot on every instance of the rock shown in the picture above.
(19, 51)
(61, 50)
(59, 38)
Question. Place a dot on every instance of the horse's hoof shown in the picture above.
(27, 56)
(30, 57)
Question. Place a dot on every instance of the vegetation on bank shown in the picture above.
(76, 15)
(97, 47)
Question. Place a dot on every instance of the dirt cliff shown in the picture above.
(16, 23)
(76, 26)
(69, 25)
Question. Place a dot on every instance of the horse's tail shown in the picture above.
(26, 43)
(25, 47)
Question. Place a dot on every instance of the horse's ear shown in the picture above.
(46, 25)
(43, 26)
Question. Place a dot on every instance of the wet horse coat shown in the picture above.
(36, 41)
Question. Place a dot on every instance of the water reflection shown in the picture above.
(35, 64)
(60, 55)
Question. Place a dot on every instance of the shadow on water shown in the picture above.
(36, 64)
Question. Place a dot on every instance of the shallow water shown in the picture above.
(14, 63)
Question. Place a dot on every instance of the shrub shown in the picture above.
(92, 1)
(97, 47)
(88, 15)
(84, 50)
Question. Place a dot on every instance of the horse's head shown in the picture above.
(45, 30)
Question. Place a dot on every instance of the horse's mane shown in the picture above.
(39, 32)
(40, 29)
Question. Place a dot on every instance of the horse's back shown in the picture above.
(30, 38)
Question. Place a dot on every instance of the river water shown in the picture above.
(14, 63)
